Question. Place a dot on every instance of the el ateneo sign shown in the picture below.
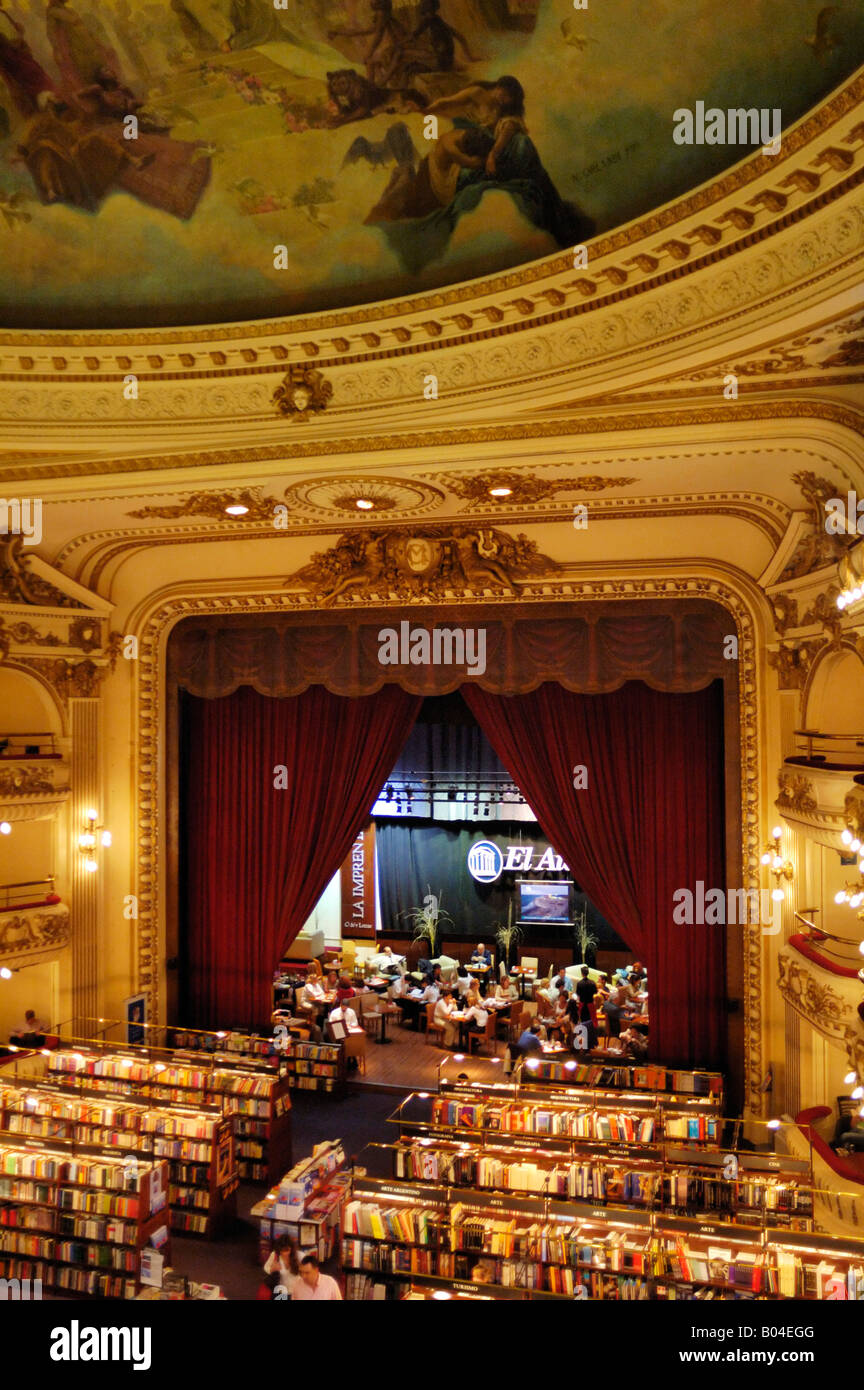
(358, 886)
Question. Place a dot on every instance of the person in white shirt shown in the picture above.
(475, 1020)
(442, 1018)
(464, 981)
(283, 1261)
(506, 990)
(342, 1014)
(312, 993)
(312, 1284)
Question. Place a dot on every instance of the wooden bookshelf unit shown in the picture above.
(198, 1144)
(78, 1221)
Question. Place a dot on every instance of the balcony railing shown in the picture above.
(839, 752)
(21, 746)
(839, 954)
(34, 892)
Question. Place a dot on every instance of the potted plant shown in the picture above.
(507, 937)
(426, 920)
(585, 940)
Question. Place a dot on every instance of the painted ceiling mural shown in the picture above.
(196, 161)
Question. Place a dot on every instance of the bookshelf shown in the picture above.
(503, 1145)
(316, 1066)
(257, 1098)
(661, 1081)
(198, 1145)
(79, 1222)
(409, 1234)
(307, 1203)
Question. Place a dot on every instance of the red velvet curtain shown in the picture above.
(259, 857)
(650, 821)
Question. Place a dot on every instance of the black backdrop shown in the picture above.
(416, 855)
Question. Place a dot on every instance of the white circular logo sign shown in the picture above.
(485, 861)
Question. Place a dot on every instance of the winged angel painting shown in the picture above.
(177, 161)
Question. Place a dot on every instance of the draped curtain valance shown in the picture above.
(593, 647)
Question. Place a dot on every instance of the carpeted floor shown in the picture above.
(232, 1262)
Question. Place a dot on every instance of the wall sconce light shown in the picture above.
(92, 836)
(778, 866)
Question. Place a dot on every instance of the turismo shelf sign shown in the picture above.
(357, 880)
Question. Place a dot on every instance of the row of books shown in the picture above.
(162, 1080)
(404, 1239)
(644, 1077)
(574, 1121)
(68, 1278)
(82, 1171)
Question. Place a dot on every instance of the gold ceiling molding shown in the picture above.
(18, 582)
(428, 563)
(812, 151)
(150, 752)
(523, 486)
(333, 496)
(303, 392)
(213, 504)
(104, 547)
(560, 428)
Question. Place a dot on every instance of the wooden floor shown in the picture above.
(410, 1063)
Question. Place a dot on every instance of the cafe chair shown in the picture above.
(432, 1027)
(488, 1036)
(369, 1014)
(354, 1045)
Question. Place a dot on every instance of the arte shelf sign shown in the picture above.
(486, 862)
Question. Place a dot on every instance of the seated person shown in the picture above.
(852, 1139)
(505, 991)
(635, 1044)
(386, 962)
(481, 956)
(344, 989)
(531, 1040)
(30, 1033)
(311, 996)
(561, 1016)
(551, 990)
(464, 981)
(343, 1013)
(441, 1018)
(472, 994)
(476, 1018)
(331, 984)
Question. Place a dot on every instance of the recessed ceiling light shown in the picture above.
(364, 504)
(500, 492)
(236, 509)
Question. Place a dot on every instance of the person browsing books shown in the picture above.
(283, 1267)
(313, 1285)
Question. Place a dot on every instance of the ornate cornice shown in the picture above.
(34, 933)
(561, 428)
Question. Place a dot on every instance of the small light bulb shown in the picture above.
(855, 846)
(5, 828)
(850, 1078)
(766, 859)
(858, 1093)
(364, 504)
(106, 838)
(841, 601)
(91, 815)
(90, 865)
(776, 833)
(236, 509)
(773, 1124)
(777, 862)
(840, 897)
(846, 837)
(777, 895)
(5, 973)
